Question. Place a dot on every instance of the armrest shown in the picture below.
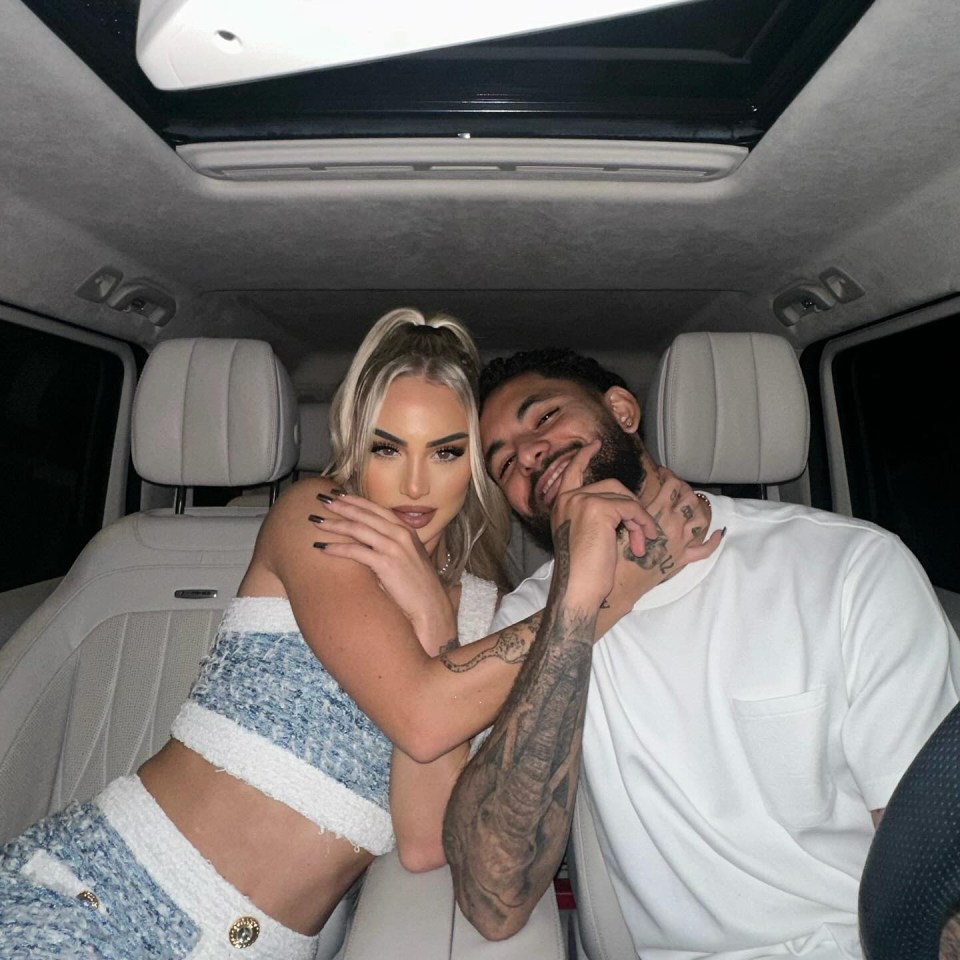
(413, 916)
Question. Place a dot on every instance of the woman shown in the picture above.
(271, 798)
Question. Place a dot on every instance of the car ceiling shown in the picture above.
(861, 172)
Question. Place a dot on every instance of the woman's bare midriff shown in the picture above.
(273, 855)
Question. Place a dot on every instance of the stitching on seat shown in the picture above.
(716, 405)
(183, 412)
(756, 393)
(102, 732)
(226, 416)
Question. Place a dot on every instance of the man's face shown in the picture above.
(531, 428)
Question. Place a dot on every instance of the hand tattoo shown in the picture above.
(656, 555)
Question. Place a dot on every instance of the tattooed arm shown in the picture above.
(507, 822)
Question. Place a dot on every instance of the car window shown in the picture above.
(59, 403)
(896, 399)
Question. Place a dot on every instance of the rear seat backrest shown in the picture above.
(90, 683)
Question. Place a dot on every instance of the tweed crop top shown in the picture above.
(267, 711)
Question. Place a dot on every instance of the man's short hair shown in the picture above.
(556, 363)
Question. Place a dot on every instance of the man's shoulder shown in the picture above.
(771, 515)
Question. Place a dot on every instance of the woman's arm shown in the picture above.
(425, 706)
(418, 791)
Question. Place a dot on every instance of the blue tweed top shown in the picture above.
(266, 710)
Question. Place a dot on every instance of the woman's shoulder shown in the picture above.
(289, 519)
(290, 545)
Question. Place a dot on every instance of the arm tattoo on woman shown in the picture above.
(512, 646)
(508, 818)
(452, 644)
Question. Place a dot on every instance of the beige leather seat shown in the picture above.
(90, 683)
(724, 408)
(315, 451)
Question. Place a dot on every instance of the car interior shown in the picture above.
(747, 208)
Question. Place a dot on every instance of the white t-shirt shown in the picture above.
(745, 718)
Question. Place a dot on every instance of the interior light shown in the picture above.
(182, 44)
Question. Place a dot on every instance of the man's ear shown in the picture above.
(625, 408)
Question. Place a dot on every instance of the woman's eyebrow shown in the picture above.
(447, 439)
(389, 436)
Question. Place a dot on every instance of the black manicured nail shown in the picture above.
(313, 518)
(338, 492)
(320, 546)
(323, 498)
(723, 533)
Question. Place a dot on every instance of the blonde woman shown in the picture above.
(274, 792)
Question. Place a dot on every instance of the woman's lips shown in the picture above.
(415, 517)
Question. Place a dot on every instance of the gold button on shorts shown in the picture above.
(244, 932)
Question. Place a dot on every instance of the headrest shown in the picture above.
(729, 408)
(214, 413)
(315, 451)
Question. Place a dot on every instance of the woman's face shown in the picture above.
(419, 460)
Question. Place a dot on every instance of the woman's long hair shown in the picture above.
(439, 349)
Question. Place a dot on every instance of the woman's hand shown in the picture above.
(397, 557)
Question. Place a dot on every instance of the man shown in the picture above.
(742, 727)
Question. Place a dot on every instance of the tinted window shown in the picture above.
(897, 398)
(58, 415)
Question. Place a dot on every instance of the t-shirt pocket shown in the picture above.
(785, 739)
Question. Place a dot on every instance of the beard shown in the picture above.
(619, 458)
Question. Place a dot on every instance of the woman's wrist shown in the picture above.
(436, 629)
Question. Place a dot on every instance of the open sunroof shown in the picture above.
(718, 71)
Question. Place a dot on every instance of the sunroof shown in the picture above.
(718, 71)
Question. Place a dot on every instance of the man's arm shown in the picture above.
(507, 822)
(508, 818)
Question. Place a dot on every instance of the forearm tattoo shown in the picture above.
(452, 644)
(512, 646)
(507, 822)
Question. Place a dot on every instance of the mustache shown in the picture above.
(547, 464)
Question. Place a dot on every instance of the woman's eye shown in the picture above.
(384, 450)
(547, 416)
(446, 454)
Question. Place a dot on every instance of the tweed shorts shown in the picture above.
(113, 879)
